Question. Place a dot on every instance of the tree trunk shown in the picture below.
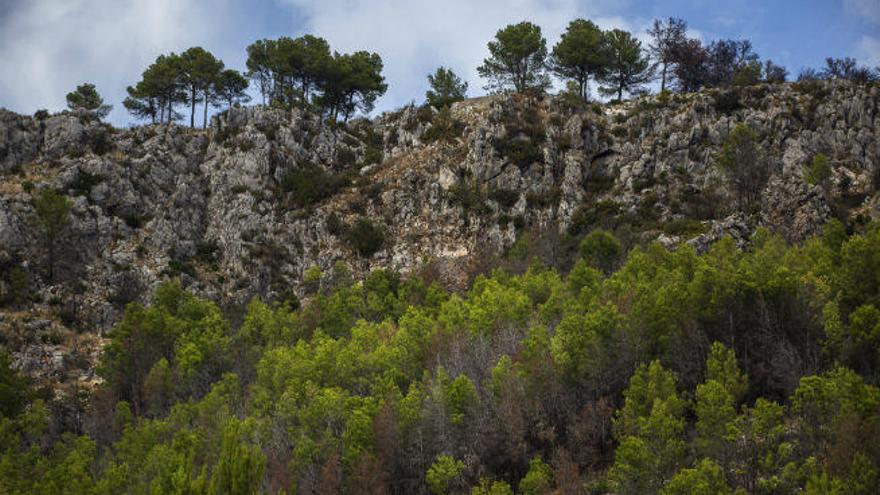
(192, 114)
(663, 78)
(205, 117)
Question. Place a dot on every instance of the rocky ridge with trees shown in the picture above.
(247, 208)
(518, 290)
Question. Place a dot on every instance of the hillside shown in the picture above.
(281, 207)
(221, 209)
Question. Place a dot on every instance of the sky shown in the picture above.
(47, 47)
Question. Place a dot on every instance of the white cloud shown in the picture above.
(868, 10)
(868, 50)
(50, 46)
(415, 36)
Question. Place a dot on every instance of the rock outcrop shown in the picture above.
(243, 209)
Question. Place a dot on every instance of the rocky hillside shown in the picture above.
(250, 206)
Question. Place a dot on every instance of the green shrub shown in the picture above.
(598, 183)
(312, 279)
(335, 226)
(345, 157)
(685, 227)
(587, 216)
(84, 182)
(177, 267)
(225, 133)
(820, 171)
(134, 219)
(727, 102)
(208, 252)
(523, 137)
(373, 155)
(811, 87)
(747, 75)
(100, 142)
(444, 127)
(543, 199)
(312, 184)
(601, 249)
(619, 131)
(469, 195)
(504, 197)
(18, 285)
(366, 237)
(424, 114)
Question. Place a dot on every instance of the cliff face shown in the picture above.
(246, 207)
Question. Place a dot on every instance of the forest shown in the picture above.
(646, 371)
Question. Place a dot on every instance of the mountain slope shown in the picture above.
(247, 207)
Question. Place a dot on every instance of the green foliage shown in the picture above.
(650, 386)
(721, 367)
(583, 344)
(53, 215)
(744, 164)
(748, 74)
(488, 487)
(86, 98)
(18, 285)
(366, 237)
(444, 474)
(601, 249)
(312, 278)
(516, 60)
(395, 384)
(628, 68)
(189, 333)
(230, 87)
(241, 466)
(707, 478)
(444, 128)
(538, 480)
(84, 182)
(819, 171)
(644, 461)
(581, 54)
(727, 101)
(159, 90)
(53, 212)
(446, 88)
(469, 195)
(312, 184)
(198, 73)
(715, 413)
(13, 388)
(506, 198)
(524, 133)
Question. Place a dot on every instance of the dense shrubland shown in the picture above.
(673, 373)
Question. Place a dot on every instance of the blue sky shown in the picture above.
(49, 46)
